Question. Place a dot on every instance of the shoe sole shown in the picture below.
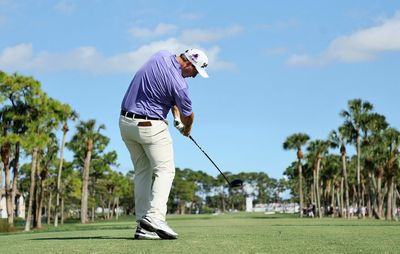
(142, 237)
(161, 233)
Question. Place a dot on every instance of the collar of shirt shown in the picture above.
(176, 63)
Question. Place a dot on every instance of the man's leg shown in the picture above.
(161, 159)
(143, 169)
(157, 144)
(142, 180)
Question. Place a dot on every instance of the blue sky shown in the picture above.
(276, 68)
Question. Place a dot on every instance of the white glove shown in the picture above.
(179, 125)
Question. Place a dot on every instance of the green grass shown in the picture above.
(229, 233)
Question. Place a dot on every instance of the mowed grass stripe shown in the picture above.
(228, 233)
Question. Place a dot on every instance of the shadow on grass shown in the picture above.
(81, 238)
(263, 217)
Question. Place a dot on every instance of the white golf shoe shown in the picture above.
(143, 234)
(160, 227)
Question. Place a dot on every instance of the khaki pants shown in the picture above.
(151, 152)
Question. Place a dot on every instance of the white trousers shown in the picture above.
(152, 155)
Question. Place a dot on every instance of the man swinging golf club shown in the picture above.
(158, 86)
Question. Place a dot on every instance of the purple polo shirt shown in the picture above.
(156, 87)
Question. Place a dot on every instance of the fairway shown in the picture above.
(226, 233)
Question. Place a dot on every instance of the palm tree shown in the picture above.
(66, 114)
(374, 157)
(331, 191)
(93, 141)
(38, 136)
(355, 122)
(100, 169)
(338, 139)
(296, 141)
(317, 149)
(392, 142)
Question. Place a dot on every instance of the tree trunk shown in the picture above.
(365, 199)
(317, 190)
(49, 207)
(369, 204)
(62, 211)
(315, 183)
(300, 187)
(37, 192)
(333, 200)
(340, 198)
(1, 174)
(109, 209)
(93, 212)
(380, 196)
(182, 207)
(389, 199)
(31, 190)
(5, 157)
(85, 183)
(373, 192)
(394, 206)
(359, 170)
(223, 203)
(346, 185)
(116, 209)
(58, 190)
(41, 198)
(94, 203)
(312, 191)
(15, 176)
(113, 209)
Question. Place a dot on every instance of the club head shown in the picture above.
(236, 183)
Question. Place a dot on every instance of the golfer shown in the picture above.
(158, 86)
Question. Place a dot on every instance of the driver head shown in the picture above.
(236, 183)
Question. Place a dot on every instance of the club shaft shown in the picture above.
(210, 159)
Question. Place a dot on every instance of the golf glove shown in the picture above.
(179, 125)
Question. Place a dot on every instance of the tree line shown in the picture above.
(328, 177)
(33, 165)
(89, 186)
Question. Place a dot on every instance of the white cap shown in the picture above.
(199, 59)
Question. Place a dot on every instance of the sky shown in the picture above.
(276, 67)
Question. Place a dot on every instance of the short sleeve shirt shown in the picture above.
(156, 87)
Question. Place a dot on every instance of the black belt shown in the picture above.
(136, 116)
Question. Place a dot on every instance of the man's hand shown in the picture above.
(179, 125)
(181, 122)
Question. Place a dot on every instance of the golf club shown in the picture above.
(235, 183)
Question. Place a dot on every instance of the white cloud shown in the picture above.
(209, 35)
(159, 30)
(188, 36)
(89, 59)
(17, 57)
(360, 46)
(215, 63)
(65, 7)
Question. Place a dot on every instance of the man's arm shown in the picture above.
(186, 120)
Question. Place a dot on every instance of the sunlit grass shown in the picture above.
(227, 233)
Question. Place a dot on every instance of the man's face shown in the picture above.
(188, 70)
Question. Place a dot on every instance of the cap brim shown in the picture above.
(202, 72)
